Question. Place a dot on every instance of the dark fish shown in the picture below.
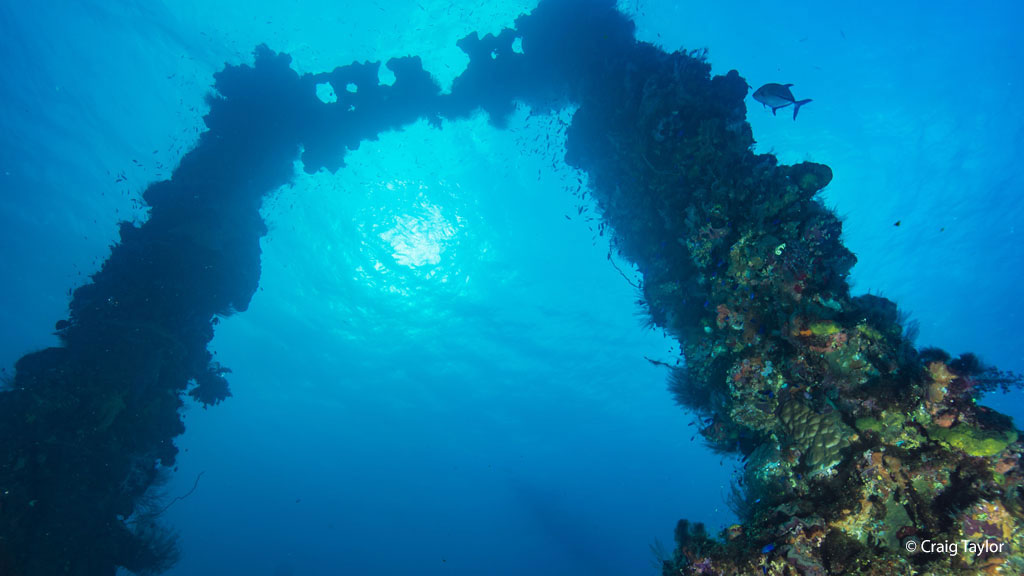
(897, 223)
(777, 96)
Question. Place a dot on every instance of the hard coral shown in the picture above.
(820, 437)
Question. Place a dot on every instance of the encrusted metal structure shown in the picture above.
(857, 445)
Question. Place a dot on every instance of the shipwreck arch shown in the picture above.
(739, 261)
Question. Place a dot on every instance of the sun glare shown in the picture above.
(420, 238)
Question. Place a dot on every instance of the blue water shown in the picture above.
(440, 373)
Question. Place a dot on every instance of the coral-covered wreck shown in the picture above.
(862, 453)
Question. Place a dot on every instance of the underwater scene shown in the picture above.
(552, 287)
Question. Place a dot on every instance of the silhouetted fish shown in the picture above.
(777, 96)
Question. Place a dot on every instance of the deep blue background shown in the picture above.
(441, 374)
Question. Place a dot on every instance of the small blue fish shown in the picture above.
(767, 548)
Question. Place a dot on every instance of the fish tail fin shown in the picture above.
(797, 105)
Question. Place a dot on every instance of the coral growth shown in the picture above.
(857, 443)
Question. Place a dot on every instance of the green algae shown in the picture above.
(826, 328)
(974, 441)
